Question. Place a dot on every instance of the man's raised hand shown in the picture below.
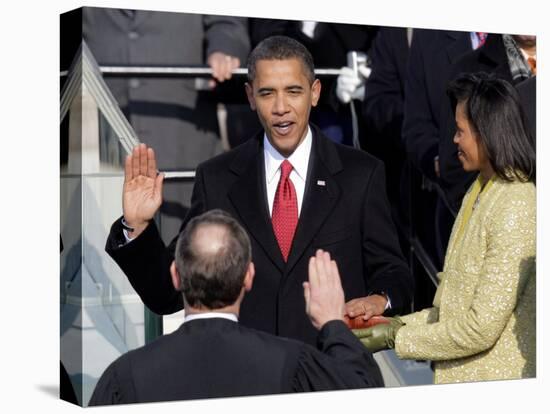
(323, 292)
(142, 191)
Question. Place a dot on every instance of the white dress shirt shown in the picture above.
(474, 40)
(308, 28)
(299, 160)
(207, 315)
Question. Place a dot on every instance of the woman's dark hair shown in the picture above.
(495, 112)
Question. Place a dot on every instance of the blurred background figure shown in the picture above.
(176, 116)
(508, 57)
(382, 112)
(433, 54)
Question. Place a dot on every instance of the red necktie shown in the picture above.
(284, 217)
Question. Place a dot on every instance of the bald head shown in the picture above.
(210, 240)
(212, 256)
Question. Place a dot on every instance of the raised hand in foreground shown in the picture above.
(323, 292)
(142, 191)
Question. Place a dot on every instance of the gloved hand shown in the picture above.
(381, 336)
(349, 85)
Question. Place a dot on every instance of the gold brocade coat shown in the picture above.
(482, 325)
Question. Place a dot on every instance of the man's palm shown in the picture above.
(141, 199)
(142, 192)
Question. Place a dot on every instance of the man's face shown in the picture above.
(282, 97)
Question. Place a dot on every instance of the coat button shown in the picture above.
(134, 83)
(133, 35)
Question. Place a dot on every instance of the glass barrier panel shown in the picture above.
(101, 315)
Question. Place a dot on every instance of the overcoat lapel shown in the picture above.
(458, 47)
(249, 198)
(494, 56)
(320, 198)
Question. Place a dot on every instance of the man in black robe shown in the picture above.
(212, 355)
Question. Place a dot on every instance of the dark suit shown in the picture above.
(528, 94)
(216, 357)
(168, 113)
(171, 114)
(344, 211)
(385, 87)
(490, 58)
(433, 52)
(383, 114)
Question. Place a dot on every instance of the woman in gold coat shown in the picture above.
(482, 323)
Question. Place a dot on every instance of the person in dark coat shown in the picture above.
(432, 55)
(383, 115)
(212, 355)
(177, 116)
(502, 56)
(528, 93)
(337, 202)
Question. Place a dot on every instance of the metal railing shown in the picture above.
(417, 248)
(181, 71)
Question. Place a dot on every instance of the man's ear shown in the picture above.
(249, 277)
(176, 281)
(315, 92)
(250, 96)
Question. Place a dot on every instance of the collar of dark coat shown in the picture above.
(492, 58)
(454, 34)
(493, 49)
(130, 19)
(325, 151)
(249, 197)
(458, 46)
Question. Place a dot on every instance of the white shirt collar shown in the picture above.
(207, 315)
(299, 158)
(474, 40)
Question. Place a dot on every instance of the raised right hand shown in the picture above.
(323, 291)
(142, 191)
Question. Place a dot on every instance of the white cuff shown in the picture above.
(129, 239)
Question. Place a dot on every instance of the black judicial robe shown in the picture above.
(217, 357)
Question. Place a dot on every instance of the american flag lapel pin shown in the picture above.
(321, 183)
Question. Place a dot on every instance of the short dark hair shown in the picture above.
(212, 279)
(280, 48)
(494, 110)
